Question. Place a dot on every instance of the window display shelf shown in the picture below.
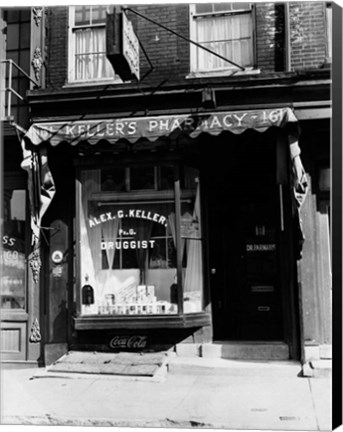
(93, 322)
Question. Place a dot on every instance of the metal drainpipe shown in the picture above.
(287, 39)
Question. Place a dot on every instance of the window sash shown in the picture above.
(230, 35)
(91, 15)
(202, 9)
(87, 52)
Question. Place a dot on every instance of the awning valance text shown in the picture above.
(152, 128)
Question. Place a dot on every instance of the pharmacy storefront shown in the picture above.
(154, 250)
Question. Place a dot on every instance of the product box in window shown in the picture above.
(89, 309)
(141, 291)
(162, 307)
(132, 309)
(173, 308)
(150, 292)
(151, 308)
(118, 309)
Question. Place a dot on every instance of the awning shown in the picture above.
(152, 128)
(41, 185)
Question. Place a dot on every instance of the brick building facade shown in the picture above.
(245, 285)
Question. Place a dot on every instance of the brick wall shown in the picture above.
(270, 36)
(57, 47)
(307, 34)
(170, 55)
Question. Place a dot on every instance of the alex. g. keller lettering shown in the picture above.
(130, 213)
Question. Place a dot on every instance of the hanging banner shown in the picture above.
(134, 128)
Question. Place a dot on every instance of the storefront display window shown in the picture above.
(12, 258)
(132, 222)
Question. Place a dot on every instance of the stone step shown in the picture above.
(215, 366)
(236, 350)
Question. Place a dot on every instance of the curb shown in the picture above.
(220, 367)
(317, 369)
(103, 422)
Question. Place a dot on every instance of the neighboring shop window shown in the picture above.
(13, 269)
(87, 45)
(225, 28)
(130, 229)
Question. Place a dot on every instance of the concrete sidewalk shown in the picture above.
(193, 393)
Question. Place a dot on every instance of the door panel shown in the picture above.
(13, 341)
(245, 287)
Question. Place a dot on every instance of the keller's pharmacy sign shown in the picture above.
(130, 47)
(134, 128)
(122, 45)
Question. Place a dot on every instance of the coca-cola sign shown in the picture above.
(131, 342)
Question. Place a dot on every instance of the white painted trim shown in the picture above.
(313, 113)
(223, 72)
(192, 35)
(71, 43)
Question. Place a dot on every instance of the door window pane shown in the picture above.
(13, 274)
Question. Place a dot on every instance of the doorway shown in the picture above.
(244, 244)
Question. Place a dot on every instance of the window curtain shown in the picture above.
(87, 268)
(229, 36)
(90, 237)
(172, 227)
(109, 234)
(144, 228)
(194, 273)
(91, 62)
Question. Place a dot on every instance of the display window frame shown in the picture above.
(14, 182)
(183, 317)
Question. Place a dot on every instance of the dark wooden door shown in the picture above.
(245, 269)
(244, 243)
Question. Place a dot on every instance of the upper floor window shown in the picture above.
(225, 28)
(87, 45)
